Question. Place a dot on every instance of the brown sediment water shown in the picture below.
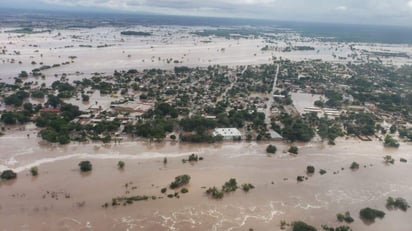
(61, 198)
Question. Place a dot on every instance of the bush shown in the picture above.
(344, 217)
(184, 190)
(193, 157)
(180, 181)
(302, 226)
(300, 178)
(271, 149)
(403, 160)
(34, 171)
(388, 159)
(310, 169)
(230, 185)
(215, 193)
(120, 164)
(369, 214)
(85, 166)
(322, 172)
(293, 149)
(398, 203)
(163, 190)
(8, 175)
(247, 187)
(354, 166)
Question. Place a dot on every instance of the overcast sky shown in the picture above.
(395, 12)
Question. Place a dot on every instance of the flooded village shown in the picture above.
(137, 127)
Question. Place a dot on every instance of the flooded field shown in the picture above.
(61, 198)
(80, 52)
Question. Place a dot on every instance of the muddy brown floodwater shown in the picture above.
(61, 198)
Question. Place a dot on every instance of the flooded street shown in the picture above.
(61, 198)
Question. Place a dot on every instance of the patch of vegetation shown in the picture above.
(295, 129)
(85, 166)
(310, 169)
(388, 159)
(180, 181)
(135, 33)
(391, 142)
(398, 203)
(8, 175)
(163, 190)
(34, 171)
(228, 186)
(293, 149)
(271, 149)
(128, 200)
(120, 164)
(184, 190)
(322, 172)
(354, 166)
(302, 226)
(344, 217)
(247, 187)
(214, 192)
(370, 215)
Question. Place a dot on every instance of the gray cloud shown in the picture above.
(397, 12)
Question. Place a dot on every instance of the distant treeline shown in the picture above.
(135, 33)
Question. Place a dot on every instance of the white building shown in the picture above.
(227, 133)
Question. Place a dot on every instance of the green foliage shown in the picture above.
(247, 187)
(37, 94)
(8, 175)
(16, 99)
(136, 33)
(398, 203)
(215, 193)
(197, 123)
(193, 157)
(310, 169)
(359, 123)
(120, 164)
(128, 200)
(295, 129)
(391, 142)
(23, 74)
(184, 190)
(163, 190)
(34, 171)
(10, 117)
(344, 217)
(329, 129)
(271, 149)
(162, 110)
(230, 185)
(180, 181)
(388, 159)
(85, 166)
(369, 214)
(156, 129)
(354, 166)
(293, 149)
(85, 98)
(302, 226)
(322, 172)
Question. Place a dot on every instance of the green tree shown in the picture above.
(85, 166)
(271, 149)
(8, 175)
(120, 164)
